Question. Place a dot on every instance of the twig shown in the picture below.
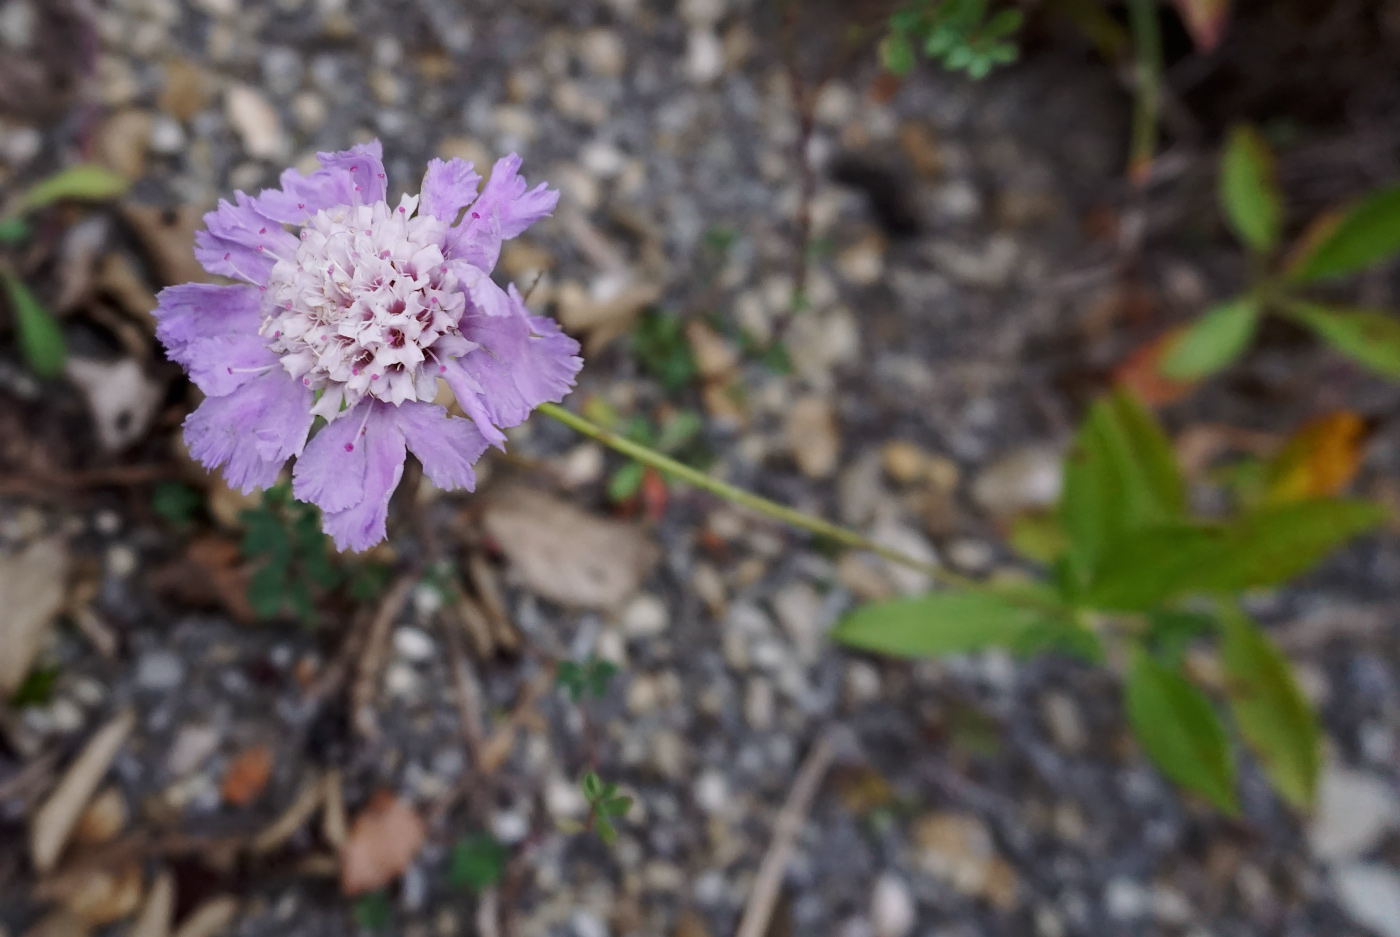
(768, 885)
(468, 695)
(1147, 49)
(362, 694)
(781, 512)
(114, 475)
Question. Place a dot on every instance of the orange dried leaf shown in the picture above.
(1320, 460)
(1141, 373)
(384, 839)
(247, 776)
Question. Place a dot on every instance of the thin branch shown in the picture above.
(362, 694)
(769, 882)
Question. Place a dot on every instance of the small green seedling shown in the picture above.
(590, 678)
(959, 34)
(1336, 245)
(477, 862)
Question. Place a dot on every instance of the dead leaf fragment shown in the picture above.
(1319, 460)
(247, 776)
(1205, 21)
(812, 436)
(32, 586)
(565, 554)
(210, 919)
(167, 235)
(55, 820)
(1141, 373)
(384, 839)
(94, 895)
(103, 819)
(158, 913)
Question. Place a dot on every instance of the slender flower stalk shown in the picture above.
(780, 512)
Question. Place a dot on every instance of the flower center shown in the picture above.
(367, 307)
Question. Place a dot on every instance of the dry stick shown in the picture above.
(773, 509)
(769, 882)
(468, 694)
(362, 694)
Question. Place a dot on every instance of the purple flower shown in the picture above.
(352, 310)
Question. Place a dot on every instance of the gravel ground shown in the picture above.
(981, 269)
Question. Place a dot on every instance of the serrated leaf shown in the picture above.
(1367, 233)
(1270, 709)
(1213, 342)
(1180, 731)
(84, 182)
(477, 862)
(937, 623)
(1120, 475)
(1371, 337)
(40, 338)
(1249, 190)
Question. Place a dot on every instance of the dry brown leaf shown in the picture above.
(95, 895)
(1319, 460)
(565, 554)
(32, 586)
(211, 918)
(103, 819)
(211, 573)
(598, 322)
(54, 821)
(384, 839)
(247, 776)
(167, 234)
(158, 913)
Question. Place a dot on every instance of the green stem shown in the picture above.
(1147, 42)
(648, 456)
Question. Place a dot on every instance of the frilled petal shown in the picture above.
(448, 187)
(194, 311)
(224, 363)
(483, 292)
(303, 196)
(448, 446)
(331, 472)
(505, 209)
(253, 431)
(241, 242)
(362, 525)
(365, 164)
(523, 361)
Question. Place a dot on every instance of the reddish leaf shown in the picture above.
(1141, 373)
(1205, 21)
(384, 839)
(247, 776)
(654, 495)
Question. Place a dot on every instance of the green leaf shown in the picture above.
(374, 911)
(605, 829)
(84, 182)
(681, 428)
(938, 623)
(176, 502)
(1271, 711)
(40, 337)
(1273, 545)
(1039, 537)
(1213, 342)
(1371, 337)
(1170, 631)
(37, 688)
(1367, 234)
(268, 590)
(1249, 189)
(617, 806)
(592, 787)
(1261, 549)
(13, 230)
(1120, 475)
(897, 54)
(625, 482)
(1180, 731)
(1150, 566)
(477, 862)
(660, 344)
